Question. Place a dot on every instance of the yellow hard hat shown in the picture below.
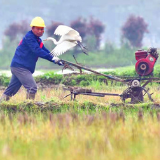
(37, 22)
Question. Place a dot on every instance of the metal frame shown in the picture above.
(134, 91)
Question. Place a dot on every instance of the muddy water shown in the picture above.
(37, 73)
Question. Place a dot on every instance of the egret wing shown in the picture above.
(72, 33)
(71, 36)
(62, 30)
(62, 48)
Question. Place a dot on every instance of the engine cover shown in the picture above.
(145, 61)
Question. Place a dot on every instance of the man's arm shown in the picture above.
(44, 48)
(35, 48)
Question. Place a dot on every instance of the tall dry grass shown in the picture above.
(70, 136)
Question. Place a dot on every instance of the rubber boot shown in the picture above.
(30, 96)
(4, 97)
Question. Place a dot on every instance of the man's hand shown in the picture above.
(57, 61)
(60, 63)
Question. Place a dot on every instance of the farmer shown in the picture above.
(24, 61)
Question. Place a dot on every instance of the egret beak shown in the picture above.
(45, 40)
(85, 52)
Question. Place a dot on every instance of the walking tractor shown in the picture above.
(136, 85)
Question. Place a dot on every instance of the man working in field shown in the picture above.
(24, 61)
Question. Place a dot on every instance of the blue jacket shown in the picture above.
(28, 51)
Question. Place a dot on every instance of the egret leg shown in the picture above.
(75, 59)
(78, 63)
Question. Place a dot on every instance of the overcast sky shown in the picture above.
(113, 14)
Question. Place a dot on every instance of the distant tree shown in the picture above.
(12, 31)
(109, 48)
(52, 27)
(16, 29)
(24, 27)
(80, 25)
(90, 43)
(133, 30)
(96, 28)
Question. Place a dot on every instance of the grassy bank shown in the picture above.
(52, 99)
(82, 80)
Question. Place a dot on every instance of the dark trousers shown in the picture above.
(21, 76)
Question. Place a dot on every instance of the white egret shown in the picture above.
(69, 39)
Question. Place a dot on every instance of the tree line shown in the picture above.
(91, 30)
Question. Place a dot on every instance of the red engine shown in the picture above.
(145, 61)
